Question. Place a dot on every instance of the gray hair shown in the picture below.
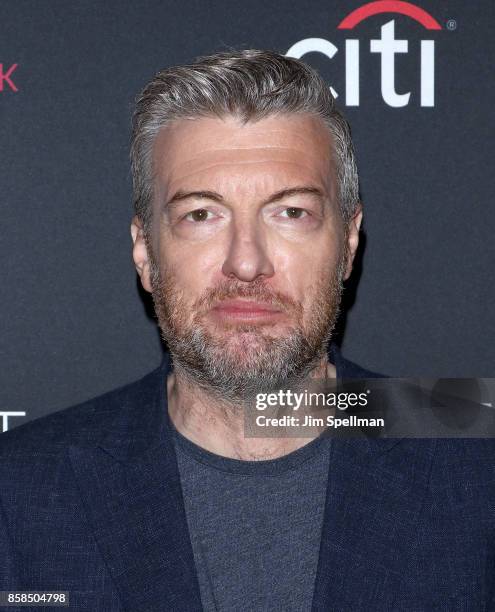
(249, 84)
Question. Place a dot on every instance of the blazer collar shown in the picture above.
(137, 429)
(131, 494)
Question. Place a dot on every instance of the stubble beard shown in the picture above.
(234, 362)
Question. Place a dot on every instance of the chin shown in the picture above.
(244, 339)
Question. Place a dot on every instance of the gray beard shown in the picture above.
(257, 362)
(281, 363)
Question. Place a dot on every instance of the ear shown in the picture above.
(140, 253)
(353, 238)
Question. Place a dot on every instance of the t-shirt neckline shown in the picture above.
(265, 467)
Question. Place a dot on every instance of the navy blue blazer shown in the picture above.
(91, 503)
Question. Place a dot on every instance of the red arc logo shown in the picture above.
(389, 6)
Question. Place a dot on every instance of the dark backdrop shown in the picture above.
(74, 324)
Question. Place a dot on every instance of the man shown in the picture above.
(151, 497)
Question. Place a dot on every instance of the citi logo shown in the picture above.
(387, 46)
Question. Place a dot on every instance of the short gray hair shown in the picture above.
(250, 85)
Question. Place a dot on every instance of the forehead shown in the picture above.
(298, 145)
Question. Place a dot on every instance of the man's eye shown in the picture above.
(294, 213)
(201, 214)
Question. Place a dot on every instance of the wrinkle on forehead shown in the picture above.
(213, 167)
(285, 144)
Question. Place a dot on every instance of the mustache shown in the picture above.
(258, 291)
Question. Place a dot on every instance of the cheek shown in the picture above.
(302, 268)
(193, 269)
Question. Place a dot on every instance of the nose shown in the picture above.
(247, 256)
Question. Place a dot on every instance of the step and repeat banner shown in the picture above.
(415, 81)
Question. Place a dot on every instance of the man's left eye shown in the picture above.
(294, 213)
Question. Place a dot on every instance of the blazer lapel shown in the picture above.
(375, 491)
(376, 488)
(132, 495)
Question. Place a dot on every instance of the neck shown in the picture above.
(219, 426)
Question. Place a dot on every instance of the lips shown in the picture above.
(246, 306)
(245, 309)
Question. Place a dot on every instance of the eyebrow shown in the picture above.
(216, 197)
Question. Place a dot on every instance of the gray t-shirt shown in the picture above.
(255, 526)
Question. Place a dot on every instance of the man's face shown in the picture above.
(247, 249)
